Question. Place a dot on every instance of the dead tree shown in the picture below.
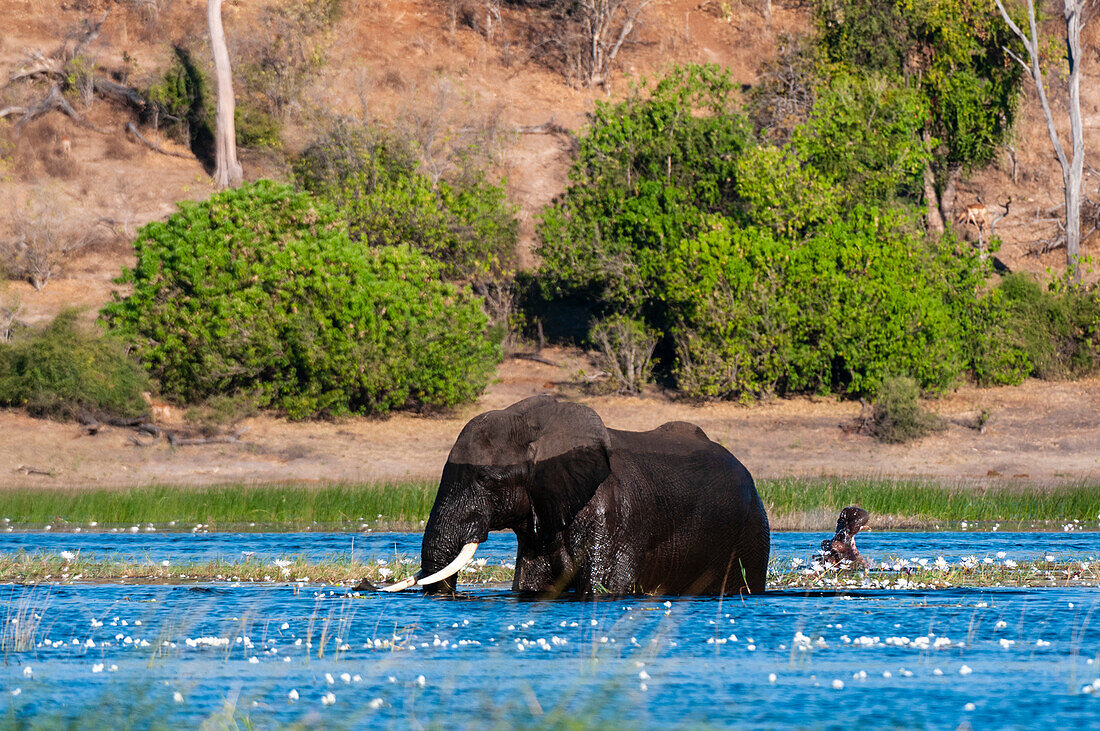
(1072, 167)
(227, 173)
(607, 25)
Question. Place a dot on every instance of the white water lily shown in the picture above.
(67, 555)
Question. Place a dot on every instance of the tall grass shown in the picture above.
(285, 506)
(928, 501)
(404, 505)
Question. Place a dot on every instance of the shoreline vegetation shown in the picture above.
(895, 574)
(792, 504)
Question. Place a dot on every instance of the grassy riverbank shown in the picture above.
(809, 504)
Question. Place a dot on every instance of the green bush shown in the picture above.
(255, 127)
(897, 416)
(373, 178)
(647, 172)
(772, 269)
(261, 291)
(65, 371)
(862, 298)
(181, 99)
(1057, 329)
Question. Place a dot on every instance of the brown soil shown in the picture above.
(1040, 433)
(389, 60)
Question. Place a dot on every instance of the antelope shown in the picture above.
(981, 216)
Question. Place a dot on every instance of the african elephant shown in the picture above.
(596, 510)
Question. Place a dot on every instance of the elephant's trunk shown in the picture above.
(459, 519)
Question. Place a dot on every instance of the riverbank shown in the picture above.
(1041, 432)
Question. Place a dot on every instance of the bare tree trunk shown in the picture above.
(228, 173)
(1072, 168)
(947, 198)
(933, 219)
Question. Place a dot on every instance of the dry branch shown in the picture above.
(133, 130)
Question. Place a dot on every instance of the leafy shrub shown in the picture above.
(65, 370)
(181, 100)
(255, 127)
(1057, 329)
(864, 133)
(897, 416)
(771, 270)
(839, 311)
(625, 349)
(261, 291)
(373, 179)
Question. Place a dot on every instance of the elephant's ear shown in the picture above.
(570, 456)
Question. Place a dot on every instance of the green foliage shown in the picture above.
(255, 127)
(260, 290)
(681, 131)
(781, 193)
(864, 132)
(181, 100)
(1057, 329)
(625, 349)
(861, 298)
(647, 172)
(64, 371)
(777, 269)
(372, 178)
(605, 242)
(952, 51)
(897, 416)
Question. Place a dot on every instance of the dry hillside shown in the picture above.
(431, 64)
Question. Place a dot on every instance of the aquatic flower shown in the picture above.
(1001, 624)
(1009, 563)
(968, 707)
(965, 670)
(97, 668)
(838, 684)
(772, 677)
(421, 681)
(292, 695)
(346, 677)
(67, 555)
(1001, 554)
(328, 698)
(16, 691)
(28, 672)
(375, 704)
(329, 679)
(165, 562)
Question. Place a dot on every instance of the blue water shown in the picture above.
(502, 546)
(629, 662)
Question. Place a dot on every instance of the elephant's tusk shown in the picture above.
(464, 557)
(403, 584)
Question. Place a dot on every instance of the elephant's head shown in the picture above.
(530, 467)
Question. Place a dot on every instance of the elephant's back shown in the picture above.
(696, 492)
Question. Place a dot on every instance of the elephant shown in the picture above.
(596, 510)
